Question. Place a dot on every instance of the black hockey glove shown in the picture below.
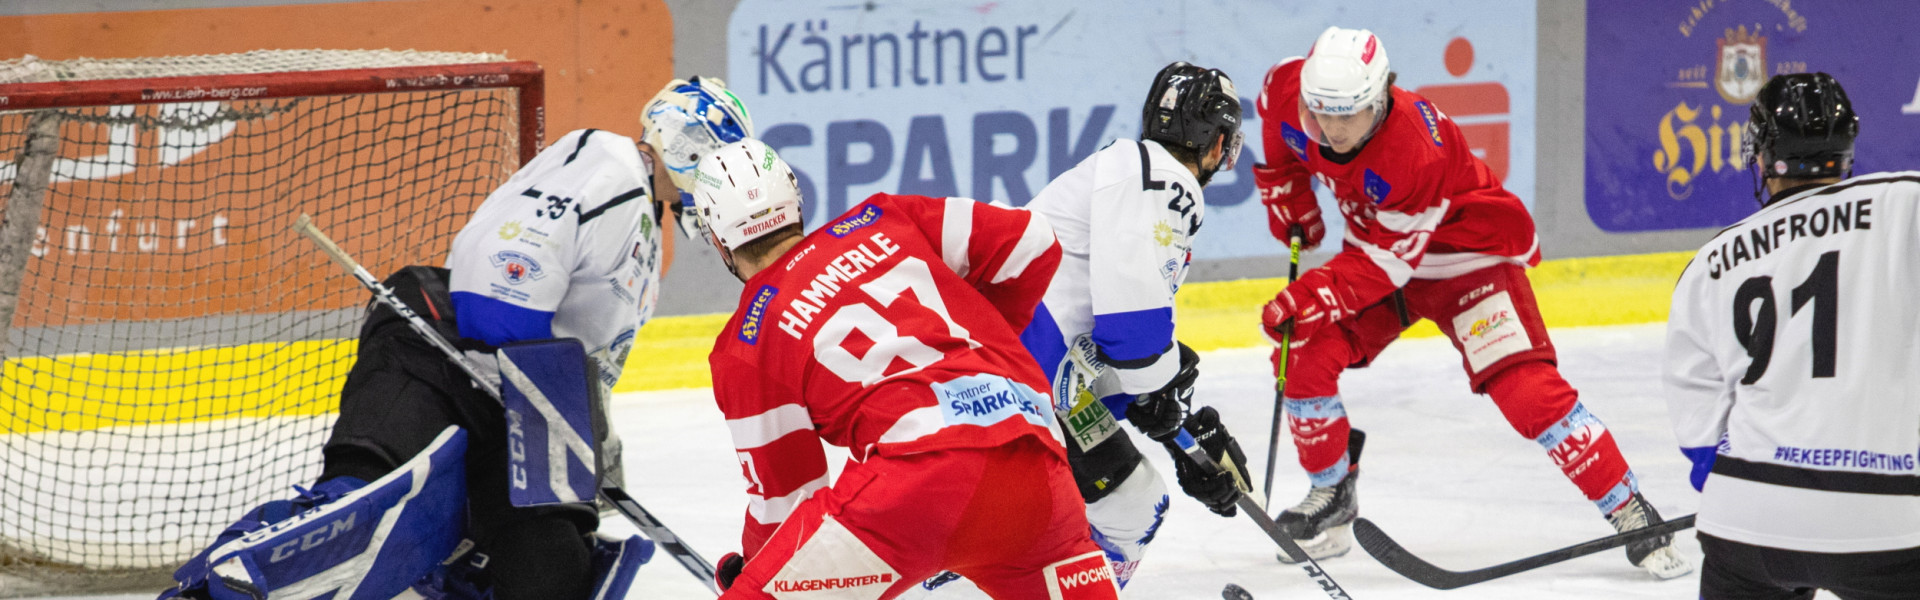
(1158, 413)
(1218, 490)
(728, 569)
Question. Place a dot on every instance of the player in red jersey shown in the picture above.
(1431, 234)
(891, 331)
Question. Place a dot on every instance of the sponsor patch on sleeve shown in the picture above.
(867, 215)
(1432, 116)
(756, 314)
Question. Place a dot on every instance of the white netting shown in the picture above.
(176, 351)
(31, 69)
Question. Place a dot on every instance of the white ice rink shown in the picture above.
(1443, 474)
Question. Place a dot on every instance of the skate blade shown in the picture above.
(1335, 542)
(1666, 563)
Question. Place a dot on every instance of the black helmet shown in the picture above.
(1802, 127)
(1188, 108)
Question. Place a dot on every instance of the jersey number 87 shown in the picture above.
(829, 348)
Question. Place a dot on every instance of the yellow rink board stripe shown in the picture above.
(83, 392)
(92, 391)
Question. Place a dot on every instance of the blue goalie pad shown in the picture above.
(552, 457)
(615, 561)
(369, 544)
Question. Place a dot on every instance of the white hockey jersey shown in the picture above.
(1125, 218)
(568, 247)
(1793, 369)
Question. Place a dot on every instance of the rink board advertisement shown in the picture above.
(1669, 86)
(991, 101)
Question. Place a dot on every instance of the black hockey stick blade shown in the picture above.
(1319, 576)
(1397, 558)
(662, 537)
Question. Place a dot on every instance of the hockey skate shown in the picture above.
(1655, 555)
(1322, 523)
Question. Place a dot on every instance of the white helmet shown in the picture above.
(687, 120)
(743, 191)
(1346, 72)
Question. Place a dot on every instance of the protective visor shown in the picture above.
(1319, 135)
(1230, 155)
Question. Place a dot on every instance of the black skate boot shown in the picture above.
(1322, 523)
(1656, 554)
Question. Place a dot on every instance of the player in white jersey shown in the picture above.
(571, 246)
(1126, 218)
(1791, 374)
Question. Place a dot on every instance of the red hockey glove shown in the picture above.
(728, 569)
(1290, 203)
(1308, 304)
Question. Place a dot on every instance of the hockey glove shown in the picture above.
(1290, 203)
(1312, 302)
(728, 569)
(1158, 413)
(1218, 490)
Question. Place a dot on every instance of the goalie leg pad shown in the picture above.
(553, 422)
(371, 543)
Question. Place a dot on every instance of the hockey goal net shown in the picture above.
(172, 349)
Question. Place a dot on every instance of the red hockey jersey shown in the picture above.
(893, 329)
(1418, 203)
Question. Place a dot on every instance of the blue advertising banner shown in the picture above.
(992, 100)
(1669, 85)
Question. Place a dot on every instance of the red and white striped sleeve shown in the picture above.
(1008, 254)
(779, 450)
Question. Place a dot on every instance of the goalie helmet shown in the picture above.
(1189, 107)
(1801, 126)
(1345, 73)
(744, 191)
(687, 120)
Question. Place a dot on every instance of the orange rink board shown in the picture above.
(603, 58)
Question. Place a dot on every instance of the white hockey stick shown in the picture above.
(655, 530)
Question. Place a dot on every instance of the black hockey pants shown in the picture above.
(1737, 571)
(401, 393)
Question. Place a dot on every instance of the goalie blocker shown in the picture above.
(526, 474)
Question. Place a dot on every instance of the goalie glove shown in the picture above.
(1218, 490)
(1159, 413)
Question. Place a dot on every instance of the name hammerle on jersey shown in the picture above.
(1756, 240)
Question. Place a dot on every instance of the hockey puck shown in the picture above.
(1235, 592)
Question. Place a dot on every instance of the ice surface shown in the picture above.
(1445, 476)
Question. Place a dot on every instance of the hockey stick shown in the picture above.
(1280, 379)
(1389, 553)
(1082, 353)
(1259, 514)
(659, 533)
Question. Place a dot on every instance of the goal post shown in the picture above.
(172, 353)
